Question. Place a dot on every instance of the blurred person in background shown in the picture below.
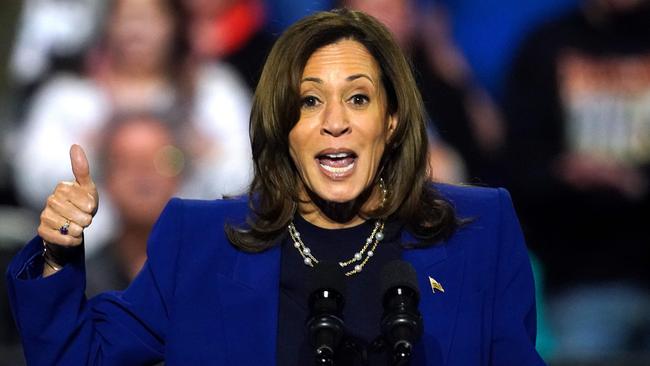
(462, 114)
(142, 167)
(140, 63)
(578, 107)
(233, 31)
(51, 36)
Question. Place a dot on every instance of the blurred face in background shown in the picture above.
(397, 15)
(206, 26)
(142, 170)
(140, 34)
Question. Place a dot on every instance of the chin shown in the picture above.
(337, 198)
(338, 193)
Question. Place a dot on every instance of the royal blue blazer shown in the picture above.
(200, 301)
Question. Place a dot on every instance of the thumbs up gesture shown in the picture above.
(72, 205)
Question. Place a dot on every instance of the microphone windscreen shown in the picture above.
(399, 273)
(327, 275)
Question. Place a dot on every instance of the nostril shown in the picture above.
(335, 131)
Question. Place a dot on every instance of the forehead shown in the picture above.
(139, 132)
(145, 7)
(347, 56)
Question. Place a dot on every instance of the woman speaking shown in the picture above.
(340, 154)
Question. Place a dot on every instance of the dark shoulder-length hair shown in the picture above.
(273, 195)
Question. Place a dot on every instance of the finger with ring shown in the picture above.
(64, 228)
(68, 210)
(55, 223)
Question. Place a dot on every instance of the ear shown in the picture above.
(392, 125)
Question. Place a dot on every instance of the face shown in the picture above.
(140, 33)
(344, 126)
(397, 15)
(142, 171)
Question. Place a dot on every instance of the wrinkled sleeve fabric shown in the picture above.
(59, 326)
(514, 318)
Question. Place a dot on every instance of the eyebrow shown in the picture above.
(357, 76)
(349, 78)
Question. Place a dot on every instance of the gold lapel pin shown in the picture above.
(435, 285)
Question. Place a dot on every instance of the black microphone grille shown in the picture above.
(399, 273)
(328, 275)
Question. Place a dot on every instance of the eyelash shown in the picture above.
(355, 98)
(311, 101)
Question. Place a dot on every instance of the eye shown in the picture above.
(309, 101)
(359, 99)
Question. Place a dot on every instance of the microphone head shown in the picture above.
(324, 324)
(399, 273)
(401, 323)
(326, 290)
(327, 276)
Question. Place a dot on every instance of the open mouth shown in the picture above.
(337, 164)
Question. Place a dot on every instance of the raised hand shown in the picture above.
(72, 205)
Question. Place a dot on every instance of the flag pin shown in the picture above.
(435, 285)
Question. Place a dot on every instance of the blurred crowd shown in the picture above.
(550, 99)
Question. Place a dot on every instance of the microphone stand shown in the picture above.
(401, 324)
(400, 355)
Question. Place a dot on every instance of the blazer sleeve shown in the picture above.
(59, 326)
(514, 318)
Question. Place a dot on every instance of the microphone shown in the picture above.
(401, 322)
(325, 321)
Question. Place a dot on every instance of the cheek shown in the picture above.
(378, 152)
(292, 147)
(162, 35)
(298, 143)
(295, 151)
(379, 138)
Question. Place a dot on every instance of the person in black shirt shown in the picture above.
(579, 159)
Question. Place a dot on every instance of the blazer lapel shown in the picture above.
(250, 308)
(439, 309)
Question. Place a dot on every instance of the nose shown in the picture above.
(335, 120)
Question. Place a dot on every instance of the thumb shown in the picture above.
(80, 167)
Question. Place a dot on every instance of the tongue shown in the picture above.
(336, 163)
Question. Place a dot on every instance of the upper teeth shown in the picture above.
(337, 156)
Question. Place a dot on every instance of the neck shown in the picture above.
(338, 215)
(317, 217)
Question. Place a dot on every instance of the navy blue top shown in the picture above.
(363, 308)
(200, 301)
